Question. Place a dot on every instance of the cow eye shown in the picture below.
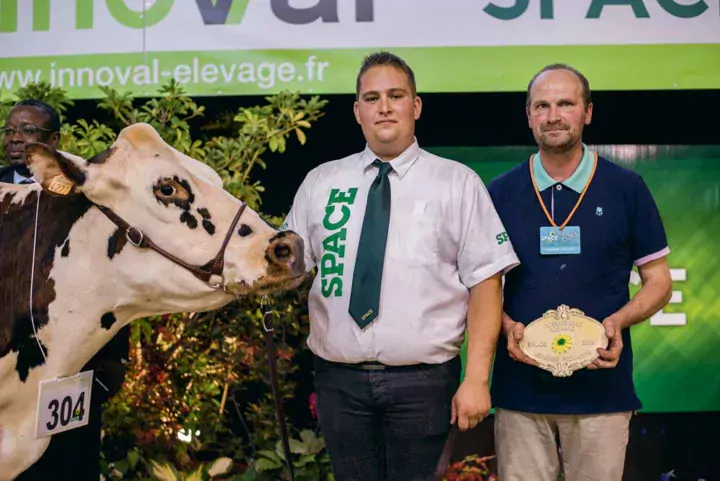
(173, 191)
(169, 189)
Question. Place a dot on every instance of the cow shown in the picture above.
(138, 230)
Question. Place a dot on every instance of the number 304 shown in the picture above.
(62, 411)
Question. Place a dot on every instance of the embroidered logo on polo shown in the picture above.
(337, 215)
(598, 211)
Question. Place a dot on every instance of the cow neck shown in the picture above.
(55, 218)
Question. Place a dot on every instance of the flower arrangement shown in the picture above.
(471, 468)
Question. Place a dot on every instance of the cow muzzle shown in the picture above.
(284, 269)
(286, 255)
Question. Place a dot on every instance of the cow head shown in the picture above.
(177, 204)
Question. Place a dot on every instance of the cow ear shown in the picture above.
(55, 171)
(142, 136)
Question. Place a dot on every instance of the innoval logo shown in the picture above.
(212, 12)
(222, 12)
(231, 12)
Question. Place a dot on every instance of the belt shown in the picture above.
(367, 366)
(378, 366)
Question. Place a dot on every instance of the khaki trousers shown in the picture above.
(592, 446)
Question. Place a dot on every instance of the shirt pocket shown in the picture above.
(414, 236)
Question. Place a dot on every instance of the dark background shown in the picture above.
(688, 443)
(474, 119)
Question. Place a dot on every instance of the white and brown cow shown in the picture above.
(138, 230)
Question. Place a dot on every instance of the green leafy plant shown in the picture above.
(311, 463)
(197, 385)
(85, 139)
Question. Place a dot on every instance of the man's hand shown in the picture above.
(514, 331)
(470, 405)
(609, 357)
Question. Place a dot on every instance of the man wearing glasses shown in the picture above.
(29, 121)
(73, 454)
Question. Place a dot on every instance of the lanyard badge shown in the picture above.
(563, 239)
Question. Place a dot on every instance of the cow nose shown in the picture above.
(286, 249)
(283, 251)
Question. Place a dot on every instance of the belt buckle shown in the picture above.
(372, 366)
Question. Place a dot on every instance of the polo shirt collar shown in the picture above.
(400, 164)
(576, 181)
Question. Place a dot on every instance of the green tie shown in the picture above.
(365, 295)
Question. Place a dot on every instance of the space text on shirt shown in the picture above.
(331, 264)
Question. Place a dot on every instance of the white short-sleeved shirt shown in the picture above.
(444, 237)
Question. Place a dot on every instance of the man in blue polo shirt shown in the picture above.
(568, 189)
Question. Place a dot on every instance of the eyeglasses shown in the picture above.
(26, 130)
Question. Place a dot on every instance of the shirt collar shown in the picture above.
(17, 178)
(400, 164)
(576, 181)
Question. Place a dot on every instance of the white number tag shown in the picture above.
(63, 404)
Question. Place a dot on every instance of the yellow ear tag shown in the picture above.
(60, 185)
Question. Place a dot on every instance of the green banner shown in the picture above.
(677, 360)
(439, 69)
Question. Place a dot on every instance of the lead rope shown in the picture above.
(32, 277)
(269, 328)
(446, 454)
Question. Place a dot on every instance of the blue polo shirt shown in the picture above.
(620, 226)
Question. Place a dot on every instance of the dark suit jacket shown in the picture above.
(75, 454)
(6, 174)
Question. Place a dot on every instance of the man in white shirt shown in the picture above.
(410, 252)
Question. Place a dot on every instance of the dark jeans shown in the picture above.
(385, 425)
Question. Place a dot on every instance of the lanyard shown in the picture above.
(542, 204)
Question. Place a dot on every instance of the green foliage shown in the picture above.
(41, 91)
(170, 114)
(85, 139)
(193, 378)
(311, 462)
(260, 128)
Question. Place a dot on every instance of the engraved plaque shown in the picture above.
(563, 340)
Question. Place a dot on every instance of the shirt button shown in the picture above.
(559, 187)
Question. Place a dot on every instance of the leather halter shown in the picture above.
(210, 273)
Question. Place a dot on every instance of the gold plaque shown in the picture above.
(563, 340)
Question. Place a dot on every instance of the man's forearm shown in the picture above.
(484, 320)
(654, 294)
(652, 297)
